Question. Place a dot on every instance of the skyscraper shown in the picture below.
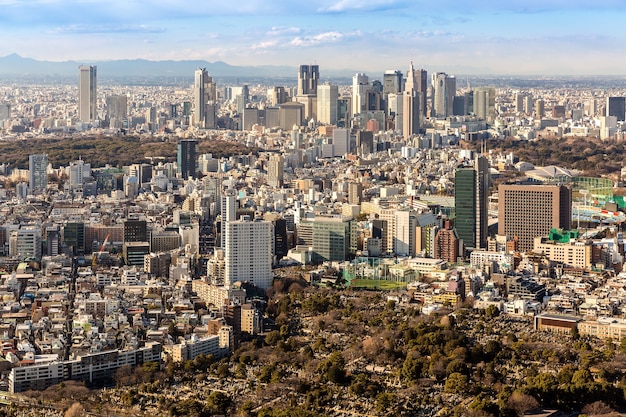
(187, 158)
(444, 90)
(308, 77)
(485, 103)
(327, 96)
(117, 107)
(411, 102)
(38, 173)
(228, 211)
(355, 193)
(204, 98)
(87, 97)
(471, 203)
(616, 106)
(392, 82)
(5, 111)
(248, 252)
(341, 142)
(277, 95)
(360, 85)
(421, 85)
(527, 211)
(276, 171)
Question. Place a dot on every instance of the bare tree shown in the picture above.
(521, 403)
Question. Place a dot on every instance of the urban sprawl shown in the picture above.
(388, 185)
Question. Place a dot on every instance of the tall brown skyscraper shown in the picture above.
(411, 103)
(527, 211)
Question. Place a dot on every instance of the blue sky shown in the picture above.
(463, 37)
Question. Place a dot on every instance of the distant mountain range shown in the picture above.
(17, 65)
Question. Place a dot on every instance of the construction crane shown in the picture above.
(101, 253)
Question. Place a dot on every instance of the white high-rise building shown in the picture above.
(78, 171)
(405, 233)
(248, 250)
(444, 90)
(228, 210)
(87, 97)
(327, 96)
(25, 242)
(360, 85)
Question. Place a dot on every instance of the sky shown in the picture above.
(516, 37)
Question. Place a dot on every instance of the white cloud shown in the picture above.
(265, 44)
(280, 30)
(107, 29)
(347, 5)
(326, 37)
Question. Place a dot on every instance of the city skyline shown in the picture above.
(518, 38)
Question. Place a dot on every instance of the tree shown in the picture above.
(218, 403)
(492, 311)
(332, 369)
(75, 410)
(384, 402)
(597, 408)
(456, 383)
(521, 403)
(411, 369)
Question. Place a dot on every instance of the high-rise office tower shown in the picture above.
(459, 108)
(341, 142)
(38, 173)
(25, 242)
(78, 171)
(87, 97)
(327, 96)
(485, 103)
(275, 171)
(5, 111)
(539, 108)
(308, 77)
(187, 158)
(529, 104)
(364, 142)
(527, 211)
(519, 102)
(360, 85)
(394, 109)
(204, 98)
(74, 237)
(135, 230)
(411, 102)
(450, 93)
(421, 85)
(355, 193)
(117, 107)
(297, 137)
(471, 186)
(439, 94)
(616, 106)
(277, 95)
(392, 82)
(248, 252)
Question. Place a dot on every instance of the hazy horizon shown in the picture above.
(509, 38)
